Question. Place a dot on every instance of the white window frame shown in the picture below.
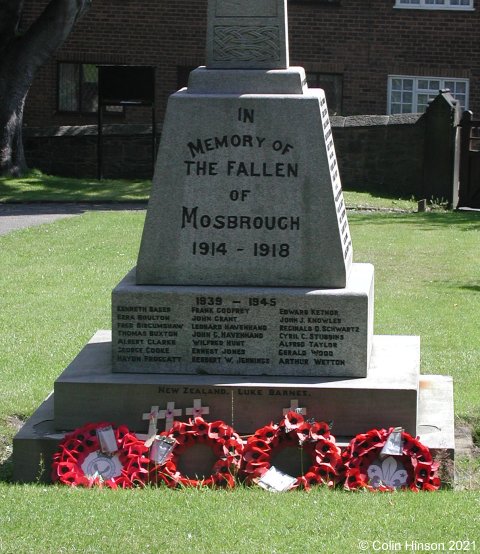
(416, 90)
(431, 5)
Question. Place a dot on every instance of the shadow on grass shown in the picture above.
(472, 288)
(6, 472)
(38, 187)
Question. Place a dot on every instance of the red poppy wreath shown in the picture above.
(79, 460)
(225, 443)
(313, 438)
(365, 468)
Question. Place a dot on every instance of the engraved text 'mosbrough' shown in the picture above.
(191, 218)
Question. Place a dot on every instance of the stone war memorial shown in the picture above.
(245, 302)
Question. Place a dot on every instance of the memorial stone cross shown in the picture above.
(247, 34)
(152, 417)
(295, 408)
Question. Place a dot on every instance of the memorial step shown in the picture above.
(388, 396)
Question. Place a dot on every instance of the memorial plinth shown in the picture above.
(247, 193)
(244, 330)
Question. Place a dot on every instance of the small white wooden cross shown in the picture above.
(169, 415)
(294, 408)
(198, 410)
(152, 418)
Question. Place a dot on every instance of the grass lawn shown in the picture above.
(53, 520)
(56, 282)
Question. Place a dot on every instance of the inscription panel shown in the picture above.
(244, 195)
(247, 331)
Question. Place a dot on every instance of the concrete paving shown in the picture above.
(20, 216)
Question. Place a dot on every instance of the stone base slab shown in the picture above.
(301, 332)
(35, 444)
(388, 396)
(37, 441)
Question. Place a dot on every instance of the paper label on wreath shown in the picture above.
(107, 440)
(97, 464)
(161, 448)
(276, 481)
(394, 444)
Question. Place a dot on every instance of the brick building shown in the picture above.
(371, 56)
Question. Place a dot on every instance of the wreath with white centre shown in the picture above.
(80, 461)
(312, 438)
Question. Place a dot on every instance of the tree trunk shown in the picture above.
(12, 95)
(20, 58)
(12, 155)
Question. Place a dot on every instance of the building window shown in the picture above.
(411, 94)
(77, 87)
(332, 84)
(435, 4)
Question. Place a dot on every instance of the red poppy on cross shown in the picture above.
(198, 410)
(169, 415)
